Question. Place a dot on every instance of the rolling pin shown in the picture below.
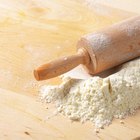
(99, 51)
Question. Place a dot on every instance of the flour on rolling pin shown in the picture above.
(130, 29)
(98, 39)
(96, 99)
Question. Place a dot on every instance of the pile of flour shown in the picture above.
(96, 99)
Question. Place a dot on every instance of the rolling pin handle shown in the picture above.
(61, 65)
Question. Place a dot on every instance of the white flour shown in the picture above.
(98, 39)
(98, 99)
(96, 6)
(130, 29)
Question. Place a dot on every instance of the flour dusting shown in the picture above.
(98, 39)
(96, 99)
(97, 7)
(131, 29)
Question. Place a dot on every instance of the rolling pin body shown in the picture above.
(112, 46)
(99, 51)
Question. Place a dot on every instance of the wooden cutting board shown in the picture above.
(31, 33)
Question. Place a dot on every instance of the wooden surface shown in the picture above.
(31, 33)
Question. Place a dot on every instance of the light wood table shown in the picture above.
(31, 33)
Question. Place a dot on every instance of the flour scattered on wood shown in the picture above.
(96, 6)
(96, 99)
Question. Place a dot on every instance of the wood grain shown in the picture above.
(31, 33)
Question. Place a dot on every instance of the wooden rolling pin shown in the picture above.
(99, 51)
